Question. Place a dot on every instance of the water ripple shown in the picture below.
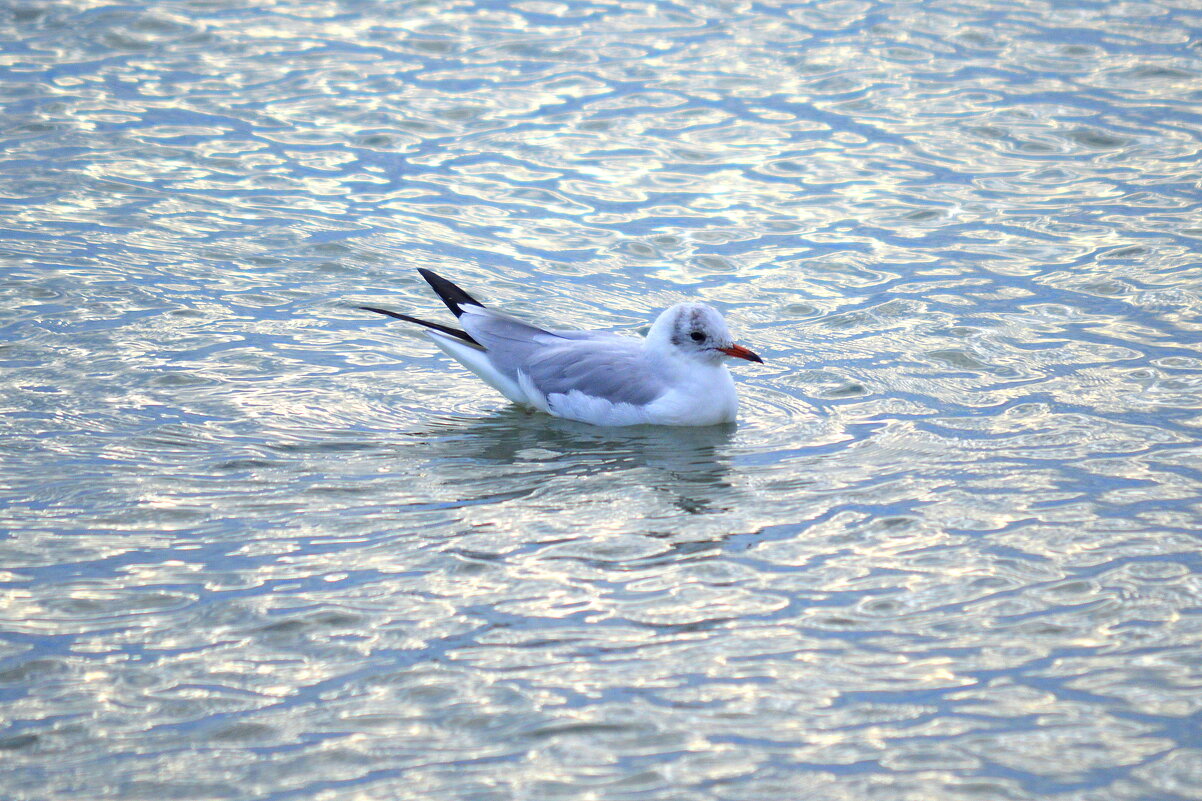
(950, 549)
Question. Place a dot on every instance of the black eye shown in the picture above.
(697, 336)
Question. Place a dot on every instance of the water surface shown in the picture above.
(262, 545)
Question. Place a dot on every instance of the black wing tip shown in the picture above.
(445, 329)
(450, 294)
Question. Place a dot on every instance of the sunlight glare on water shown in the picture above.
(260, 544)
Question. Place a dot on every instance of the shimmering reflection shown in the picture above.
(256, 545)
(672, 462)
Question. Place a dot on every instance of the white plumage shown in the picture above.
(676, 376)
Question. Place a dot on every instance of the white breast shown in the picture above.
(705, 398)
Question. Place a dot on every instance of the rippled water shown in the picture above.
(262, 545)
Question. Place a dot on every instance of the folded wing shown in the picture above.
(602, 365)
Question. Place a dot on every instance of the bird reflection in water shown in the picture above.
(690, 464)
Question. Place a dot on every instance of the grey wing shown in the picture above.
(616, 371)
(599, 364)
(497, 328)
(595, 336)
(508, 341)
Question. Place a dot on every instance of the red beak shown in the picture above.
(740, 352)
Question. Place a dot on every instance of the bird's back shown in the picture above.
(601, 365)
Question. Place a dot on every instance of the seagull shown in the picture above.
(677, 376)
